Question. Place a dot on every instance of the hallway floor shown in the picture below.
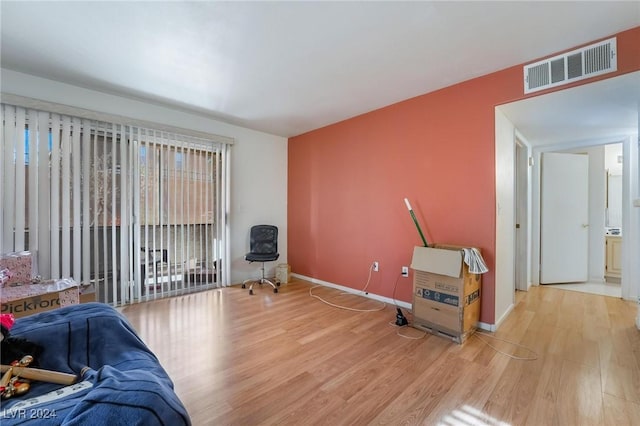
(601, 288)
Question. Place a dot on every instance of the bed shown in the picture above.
(121, 382)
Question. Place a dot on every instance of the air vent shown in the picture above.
(586, 62)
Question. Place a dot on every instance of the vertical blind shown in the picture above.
(137, 212)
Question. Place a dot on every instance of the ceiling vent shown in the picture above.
(586, 62)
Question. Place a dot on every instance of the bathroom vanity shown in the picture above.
(613, 259)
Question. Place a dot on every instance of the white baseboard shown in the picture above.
(373, 296)
(493, 327)
(503, 317)
(487, 327)
(406, 305)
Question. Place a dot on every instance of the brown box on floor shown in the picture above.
(88, 293)
(27, 299)
(446, 296)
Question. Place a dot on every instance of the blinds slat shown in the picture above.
(133, 217)
(225, 197)
(34, 167)
(95, 219)
(5, 115)
(151, 254)
(187, 202)
(65, 189)
(20, 206)
(9, 205)
(210, 218)
(86, 201)
(219, 217)
(76, 199)
(43, 206)
(160, 228)
(55, 196)
(202, 226)
(183, 239)
(147, 177)
(135, 146)
(114, 213)
(180, 264)
(124, 217)
(106, 187)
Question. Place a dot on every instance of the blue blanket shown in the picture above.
(122, 383)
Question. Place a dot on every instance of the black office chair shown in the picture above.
(263, 246)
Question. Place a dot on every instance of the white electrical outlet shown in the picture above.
(405, 271)
(375, 266)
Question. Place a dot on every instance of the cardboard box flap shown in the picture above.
(437, 261)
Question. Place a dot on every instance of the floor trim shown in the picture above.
(373, 296)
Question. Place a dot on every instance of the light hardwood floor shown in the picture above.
(288, 358)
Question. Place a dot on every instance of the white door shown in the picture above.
(564, 218)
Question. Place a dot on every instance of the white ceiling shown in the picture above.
(289, 67)
(607, 109)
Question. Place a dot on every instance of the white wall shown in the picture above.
(613, 165)
(597, 203)
(611, 154)
(630, 219)
(636, 195)
(258, 160)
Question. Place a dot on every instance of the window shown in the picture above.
(135, 211)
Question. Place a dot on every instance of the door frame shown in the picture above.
(522, 211)
(630, 282)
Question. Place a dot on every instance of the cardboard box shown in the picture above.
(446, 297)
(283, 273)
(87, 293)
(27, 299)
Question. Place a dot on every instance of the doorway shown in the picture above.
(595, 248)
(578, 117)
(628, 284)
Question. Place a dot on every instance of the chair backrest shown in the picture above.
(264, 239)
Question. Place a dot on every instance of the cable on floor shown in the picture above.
(533, 358)
(400, 327)
(384, 305)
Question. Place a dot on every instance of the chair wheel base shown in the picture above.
(260, 282)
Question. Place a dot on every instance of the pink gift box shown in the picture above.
(20, 266)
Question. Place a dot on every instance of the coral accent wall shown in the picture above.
(347, 182)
